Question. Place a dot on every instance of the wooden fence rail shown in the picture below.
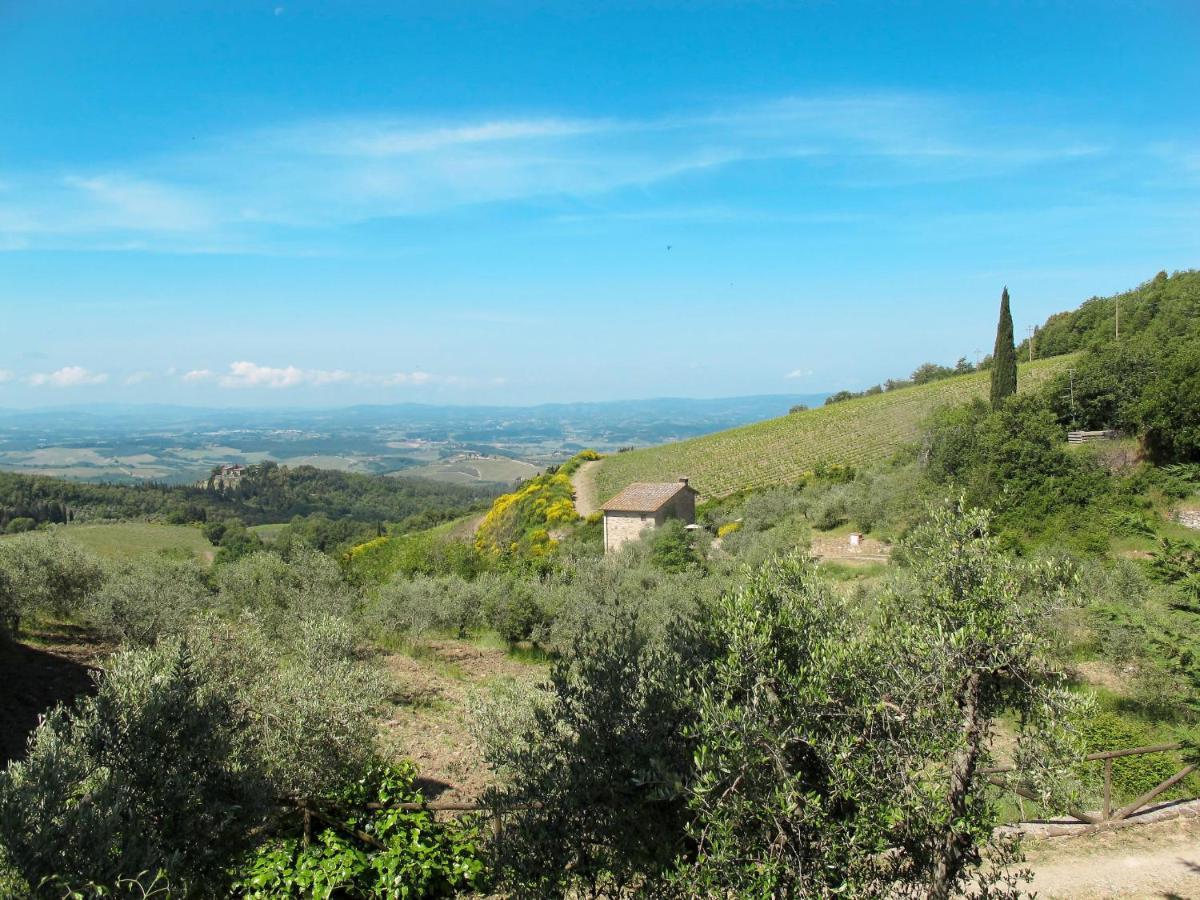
(1107, 757)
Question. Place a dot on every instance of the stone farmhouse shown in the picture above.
(645, 505)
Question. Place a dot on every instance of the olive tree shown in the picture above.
(839, 747)
(150, 598)
(43, 573)
(282, 593)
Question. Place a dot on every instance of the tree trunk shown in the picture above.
(950, 856)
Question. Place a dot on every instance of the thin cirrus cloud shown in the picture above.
(245, 374)
(331, 172)
(67, 377)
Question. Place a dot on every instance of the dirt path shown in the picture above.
(584, 481)
(428, 722)
(1159, 860)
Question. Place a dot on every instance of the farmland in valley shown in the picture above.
(779, 451)
(474, 469)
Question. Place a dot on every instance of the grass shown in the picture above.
(269, 532)
(780, 451)
(127, 540)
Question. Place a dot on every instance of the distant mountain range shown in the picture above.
(684, 410)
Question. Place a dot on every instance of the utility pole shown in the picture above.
(1118, 317)
(1030, 329)
(978, 357)
(1072, 373)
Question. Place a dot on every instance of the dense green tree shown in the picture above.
(1004, 365)
(1169, 410)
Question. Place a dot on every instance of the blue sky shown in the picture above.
(293, 203)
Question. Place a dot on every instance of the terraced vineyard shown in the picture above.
(779, 451)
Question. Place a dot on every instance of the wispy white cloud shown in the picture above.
(799, 373)
(230, 191)
(250, 375)
(138, 377)
(66, 377)
(245, 374)
(6, 375)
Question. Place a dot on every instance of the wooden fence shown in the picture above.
(1107, 814)
(1086, 437)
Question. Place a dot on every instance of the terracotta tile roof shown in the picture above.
(646, 497)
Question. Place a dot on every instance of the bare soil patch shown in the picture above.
(1100, 673)
(428, 722)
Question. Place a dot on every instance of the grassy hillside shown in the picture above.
(779, 451)
(125, 540)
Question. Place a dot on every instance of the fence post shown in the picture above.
(1108, 764)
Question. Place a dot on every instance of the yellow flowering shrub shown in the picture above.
(519, 524)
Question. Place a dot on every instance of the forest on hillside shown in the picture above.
(262, 493)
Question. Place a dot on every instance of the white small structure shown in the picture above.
(856, 539)
(645, 505)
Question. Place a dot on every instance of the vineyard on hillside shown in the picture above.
(779, 451)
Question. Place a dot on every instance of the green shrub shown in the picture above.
(671, 548)
(450, 604)
(593, 795)
(282, 593)
(150, 598)
(420, 857)
(182, 754)
(831, 508)
(42, 573)
(149, 774)
(515, 609)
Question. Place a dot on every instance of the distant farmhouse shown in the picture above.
(643, 505)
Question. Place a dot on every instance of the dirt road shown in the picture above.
(584, 481)
(1160, 860)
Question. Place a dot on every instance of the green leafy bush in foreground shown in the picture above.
(174, 767)
(420, 858)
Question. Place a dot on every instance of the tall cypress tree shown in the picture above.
(1004, 358)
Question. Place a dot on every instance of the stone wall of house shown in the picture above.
(685, 507)
(620, 527)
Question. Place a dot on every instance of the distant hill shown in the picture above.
(779, 451)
